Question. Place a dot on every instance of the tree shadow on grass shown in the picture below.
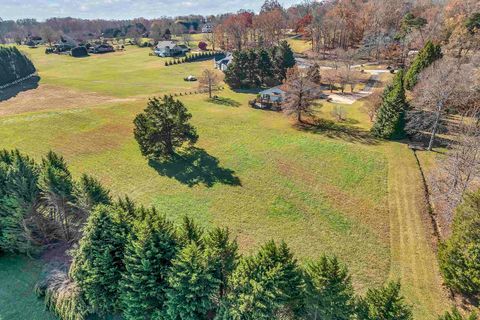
(14, 90)
(224, 101)
(194, 167)
(334, 130)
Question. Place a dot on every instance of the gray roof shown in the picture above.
(272, 91)
(164, 44)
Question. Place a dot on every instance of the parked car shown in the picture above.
(190, 78)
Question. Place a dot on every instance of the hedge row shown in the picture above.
(14, 65)
(194, 57)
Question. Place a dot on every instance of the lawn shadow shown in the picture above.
(334, 130)
(195, 166)
(224, 101)
(14, 90)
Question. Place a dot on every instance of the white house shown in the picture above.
(168, 49)
(222, 64)
(207, 28)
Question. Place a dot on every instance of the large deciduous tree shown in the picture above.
(209, 81)
(300, 94)
(162, 127)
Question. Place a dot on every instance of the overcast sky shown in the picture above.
(122, 9)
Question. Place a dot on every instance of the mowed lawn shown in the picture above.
(323, 192)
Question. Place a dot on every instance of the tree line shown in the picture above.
(14, 65)
(259, 67)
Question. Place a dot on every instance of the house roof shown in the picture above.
(273, 91)
(164, 44)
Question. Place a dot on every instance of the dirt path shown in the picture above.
(413, 257)
(48, 97)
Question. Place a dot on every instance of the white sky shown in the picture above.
(122, 9)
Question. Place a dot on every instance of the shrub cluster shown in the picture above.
(14, 65)
(254, 68)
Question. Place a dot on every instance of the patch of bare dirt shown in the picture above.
(48, 97)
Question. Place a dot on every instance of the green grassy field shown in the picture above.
(322, 190)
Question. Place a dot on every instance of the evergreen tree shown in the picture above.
(254, 293)
(283, 59)
(98, 262)
(190, 231)
(328, 290)
(385, 303)
(429, 53)
(265, 68)
(193, 285)
(265, 286)
(459, 255)
(57, 189)
(235, 74)
(252, 69)
(390, 120)
(162, 127)
(148, 258)
(223, 256)
(89, 193)
(456, 315)
(19, 198)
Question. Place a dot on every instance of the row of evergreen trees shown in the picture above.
(259, 67)
(390, 118)
(133, 261)
(14, 65)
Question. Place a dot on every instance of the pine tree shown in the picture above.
(235, 74)
(328, 289)
(385, 303)
(190, 231)
(162, 127)
(390, 120)
(193, 285)
(98, 262)
(459, 255)
(264, 286)
(57, 189)
(19, 198)
(89, 193)
(148, 258)
(283, 59)
(222, 254)
(456, 315)
(265, 67)
(429, 53)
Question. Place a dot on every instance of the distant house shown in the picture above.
(269, 99)
(207, 28)
(169, 49)
(222, 63)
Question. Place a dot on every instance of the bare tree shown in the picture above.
(187, 38)
(446, 84)
(211, 39)
(209, 80)
(300, 94)
(48, 34)
(372, 104)
(459, 172)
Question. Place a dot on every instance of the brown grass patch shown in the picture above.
(48, 97)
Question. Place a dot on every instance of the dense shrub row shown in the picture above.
(14, 65)
(132, 261)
